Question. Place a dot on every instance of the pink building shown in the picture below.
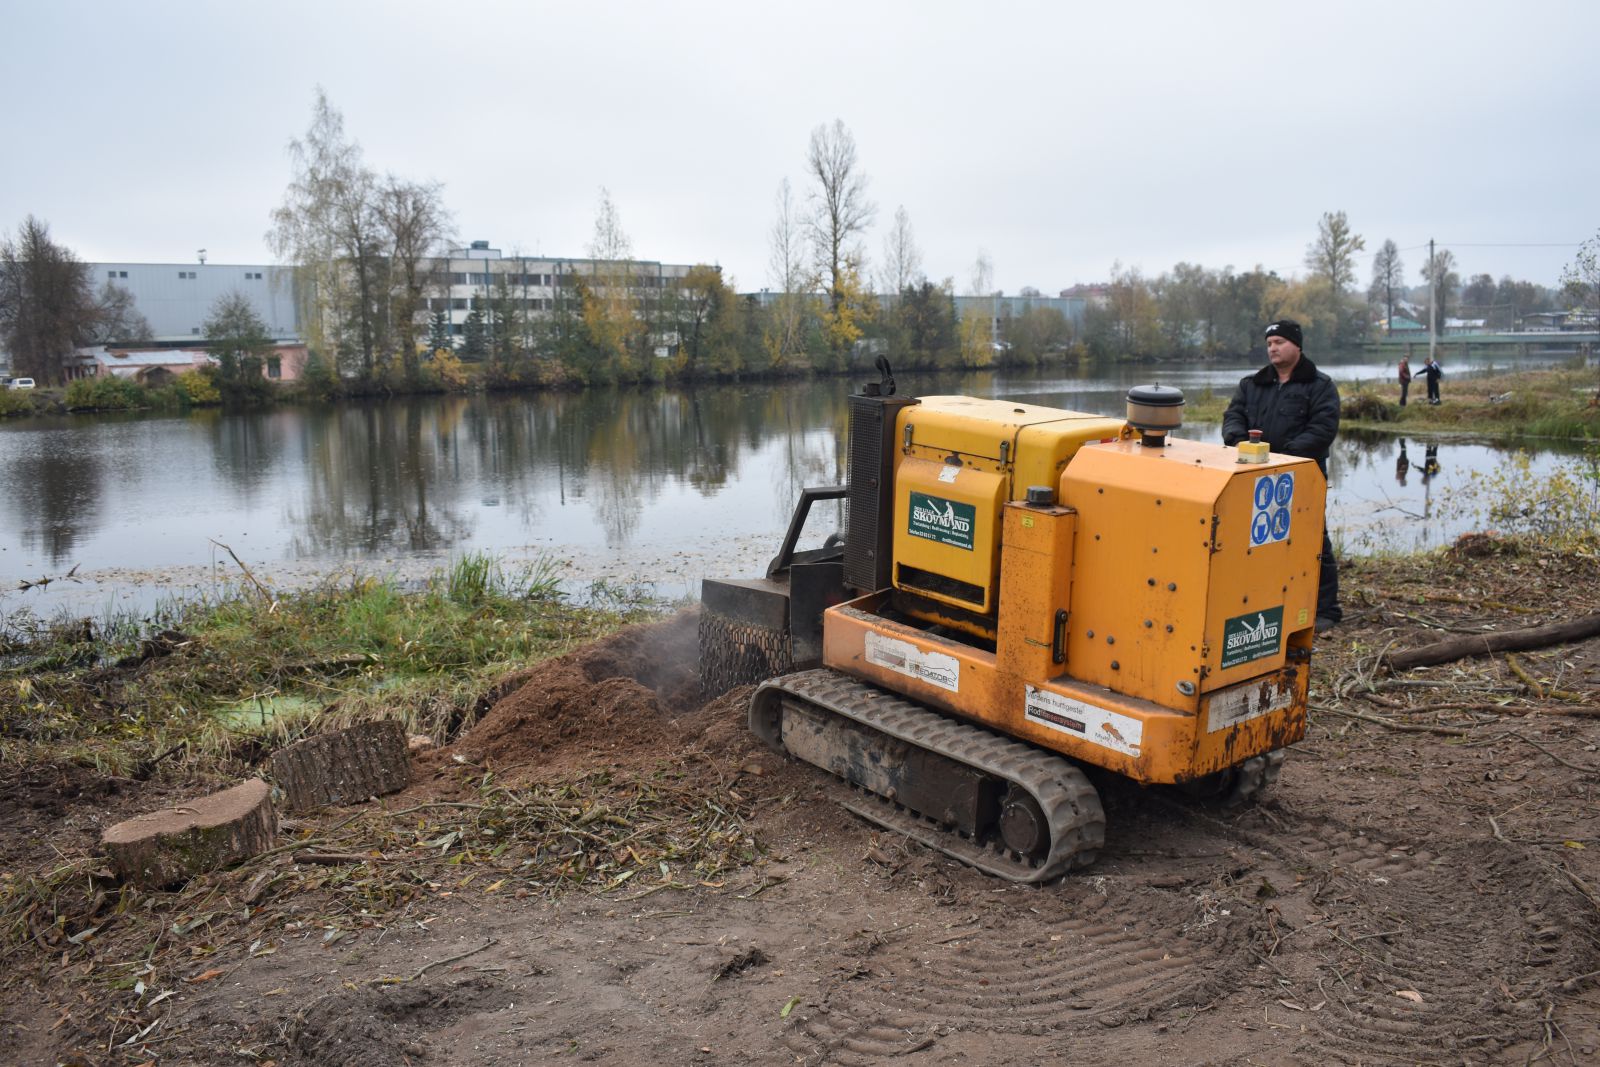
(156, 366)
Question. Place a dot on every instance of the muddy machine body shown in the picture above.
(1022, 592)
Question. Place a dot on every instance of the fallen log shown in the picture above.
(1455, 648)
(165, 847)
(344, 767)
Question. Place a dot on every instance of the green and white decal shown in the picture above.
(1254, 636)
(948, 522)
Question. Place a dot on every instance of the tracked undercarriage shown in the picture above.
(1001, 806)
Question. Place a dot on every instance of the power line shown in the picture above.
(1463, 244)
(1473, 244)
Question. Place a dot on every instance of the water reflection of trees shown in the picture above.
(378, 478)
(56, 492)
(408, 476)
(247, 448)
(616, 451)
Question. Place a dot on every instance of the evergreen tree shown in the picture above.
(505, 327)
(474, 334)
(317, 377)
(439, 332)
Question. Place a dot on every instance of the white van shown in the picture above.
(19, 383)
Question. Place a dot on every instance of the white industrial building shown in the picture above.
(177, 298)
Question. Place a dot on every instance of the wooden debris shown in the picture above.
(343, 767)
(1455, 648)
(165, 847)
(330, 859)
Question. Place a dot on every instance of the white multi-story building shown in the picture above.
(477, 272)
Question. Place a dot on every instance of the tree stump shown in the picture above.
(343, 767)
(162, 848)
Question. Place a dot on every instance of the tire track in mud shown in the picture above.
(1070, 974)
(1424, 947)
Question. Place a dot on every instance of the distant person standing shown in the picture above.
(1296, 408)
(1433, 372)
(1405, 379)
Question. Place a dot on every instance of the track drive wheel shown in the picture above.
(1023, 826)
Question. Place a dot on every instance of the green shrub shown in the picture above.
(318, 380)
(200, 387)
(106, 393)
(15, 402)
(1368, 407)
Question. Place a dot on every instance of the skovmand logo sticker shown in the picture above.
(948, 522)
(1253, 636)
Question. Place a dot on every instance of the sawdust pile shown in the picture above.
(627, 701)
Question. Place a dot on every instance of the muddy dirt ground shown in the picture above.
(1421, 886)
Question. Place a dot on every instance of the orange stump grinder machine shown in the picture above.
(1021, 591)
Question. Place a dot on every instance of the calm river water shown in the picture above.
(655, 488)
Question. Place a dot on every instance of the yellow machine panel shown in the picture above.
(947, 531)
(960, 459)
(1193, 571)
(1029, 443)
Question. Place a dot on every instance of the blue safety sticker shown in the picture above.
(1274, 504)
(1260, 529)
(1263, 493)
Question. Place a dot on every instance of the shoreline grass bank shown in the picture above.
(217, 681)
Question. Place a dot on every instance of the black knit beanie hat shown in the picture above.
(1288, 329)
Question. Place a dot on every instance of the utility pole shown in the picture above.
(1433, 302)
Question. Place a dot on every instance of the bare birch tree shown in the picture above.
(1388, 274)
(787, 273)
(840, 214)
(327, 226)
(609, 311)
(902, 260)
(976, 330)
(415, 223)
(982, 275)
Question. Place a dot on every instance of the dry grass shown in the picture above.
(1522, 404)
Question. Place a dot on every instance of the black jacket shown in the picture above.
(1299, 417)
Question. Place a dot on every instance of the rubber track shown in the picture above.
(1071, 806)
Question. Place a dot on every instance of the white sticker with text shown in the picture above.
(1245, 702)
(935, 668)
(1102, 726)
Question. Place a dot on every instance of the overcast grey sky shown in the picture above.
(1058, 138)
